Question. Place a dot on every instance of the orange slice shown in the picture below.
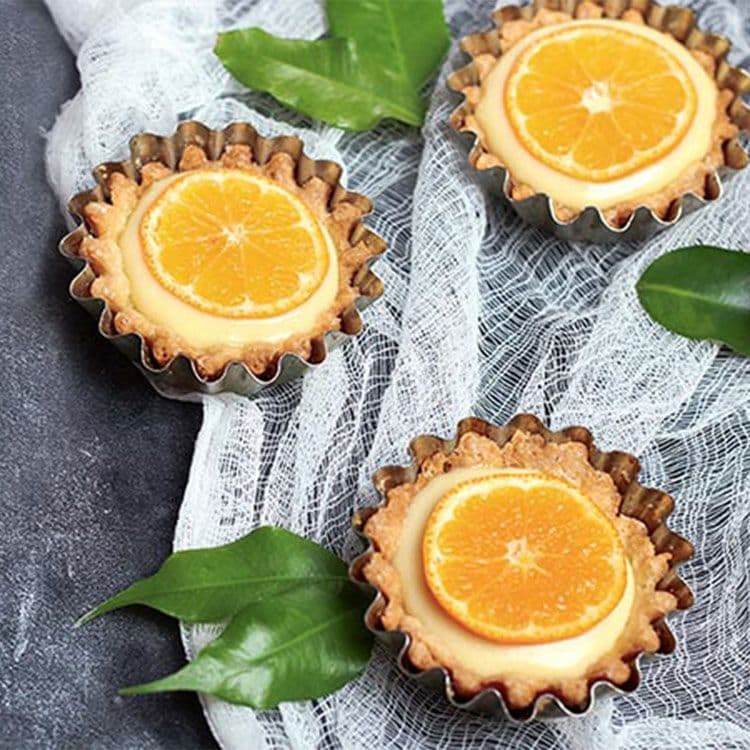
(523, 558)
(234, 244)
(598, 103)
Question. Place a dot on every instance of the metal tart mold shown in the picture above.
(650, 506)
(179, 378)
(591, 224)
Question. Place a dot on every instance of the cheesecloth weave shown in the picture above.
(481, 315)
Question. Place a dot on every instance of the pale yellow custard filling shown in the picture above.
(501, 139)
(201, 329)
(563, 659)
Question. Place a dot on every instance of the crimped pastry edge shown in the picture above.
(591, 224)
(651, 507)
(180, 377)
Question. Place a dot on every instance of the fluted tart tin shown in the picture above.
(180, 378)
(649, 506)
(591, 224)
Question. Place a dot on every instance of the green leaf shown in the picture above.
(210, 585)
(701, 292)
(299, 645)
(324, 79)
(407, 38)
(380, 53)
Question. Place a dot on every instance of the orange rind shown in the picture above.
(523, 558)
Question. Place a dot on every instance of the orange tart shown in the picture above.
(598, 109)
(523, 561)
(242, 255)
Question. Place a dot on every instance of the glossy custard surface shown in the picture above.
(502, 139)
(566, 658)
(198, 327)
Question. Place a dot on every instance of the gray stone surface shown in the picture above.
(92, 462)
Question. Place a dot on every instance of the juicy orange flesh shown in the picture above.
(234, 245)
(597, 103)
(523, 564)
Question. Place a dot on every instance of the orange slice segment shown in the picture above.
(234, 244)
(598, 103)
(523, 558)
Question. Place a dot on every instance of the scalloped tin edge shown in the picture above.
(652, 507)
(179, 379)
(591, 225)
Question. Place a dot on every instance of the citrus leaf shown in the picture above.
(701, 292)
(299, 645)
(210, 585)
(380, 53)
(407, 38)
(326, 79)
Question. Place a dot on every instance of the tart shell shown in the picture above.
(521, 701)
(636, 222)
(172, 369)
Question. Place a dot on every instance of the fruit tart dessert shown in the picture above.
(611, 106)
(522, 562)
(223, 247)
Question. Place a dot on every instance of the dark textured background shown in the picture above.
(92, 462)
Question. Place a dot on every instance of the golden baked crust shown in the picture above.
(692, 180)
(106, 219)
(566, 459)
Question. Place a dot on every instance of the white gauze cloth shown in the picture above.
(481, 314)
